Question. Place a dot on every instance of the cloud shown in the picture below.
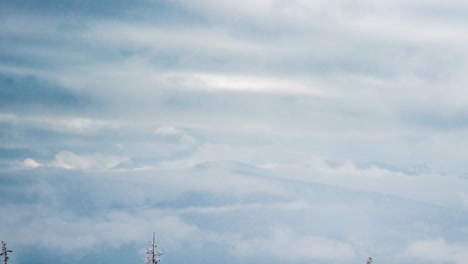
(294, 205)
(246, 83)
(286, 244)
(59, 123)
(165, 85)
(64, 231)
(172, 132)
(437, 251)
(30, 163)
(430, 187)
(213, 206)
(360, 116)
(70, 160)
(211, 152)
(169, 131)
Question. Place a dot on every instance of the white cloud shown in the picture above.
(30, 163)
(286, 244)
(246, 83)
(437, 251)
(70, 160)
(60, 230)
(169, 131)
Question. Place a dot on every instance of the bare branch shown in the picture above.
(152, 254)
(5, 252)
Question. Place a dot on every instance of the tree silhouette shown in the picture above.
(152, 255)
(5, 252)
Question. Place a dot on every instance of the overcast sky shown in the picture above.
(268, 82)
(365, 96)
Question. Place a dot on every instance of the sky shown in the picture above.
(255, 132)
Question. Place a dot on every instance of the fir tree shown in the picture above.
(152, 256)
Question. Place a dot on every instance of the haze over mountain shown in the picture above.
(216, 211)
(267, 131)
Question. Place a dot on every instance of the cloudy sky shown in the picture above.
(255, 132)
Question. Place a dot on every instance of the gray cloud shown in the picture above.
(117, 102)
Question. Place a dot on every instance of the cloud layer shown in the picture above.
(236, 129)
